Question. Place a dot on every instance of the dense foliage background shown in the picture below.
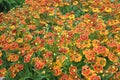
(6, 5)
(60, 40)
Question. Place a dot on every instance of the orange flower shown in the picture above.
(112, 57)
(57, 71)
(64, 77)
(13, 57)
(117, 75)
(32, 27)
(62, 58)
(39, 64)
(112, 69)
(84, 37)
(98, 68)
(86, 70)
(28, 37)
(89, 54)
(15, 68)
(64, 50)
(48, 54)
(95, 43)
(73, 70)
(101, 61)
(2, 72)
(111, 44)
(26, 46)
(27, 58)
(102, 50)
(76, 57)
(13, 46)
(50, 41)
(118, 48)
(20, 66)
(95, 77)
(6, 46)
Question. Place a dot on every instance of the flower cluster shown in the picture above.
(61, 40)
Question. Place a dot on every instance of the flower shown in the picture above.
(95, 42)
(89, 54)
(117, 75)
(75, 57)
(19, 40)
(111, 44)
(98, 68)
(75, 2)
(13, 46)
(101, 61)
(13, 57)
(95, 10)
(0, 53)
(39, 64)
(6, 46)
(64, 77)
(57, 71)
(2, 72)
(15, 68)
(95, 77)
(58, 63)
(86, 70)
(101, 50)
(72, 16)
(112, 57)
(27, 58)
(112, 69)
(84, 37)
(62, 58)
(73, 70)
(108, 9)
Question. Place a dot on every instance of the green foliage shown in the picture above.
(6, 5)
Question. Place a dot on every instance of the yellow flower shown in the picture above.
(19, 40)
(51, 13)
(95, 10)
(104, 32)
(10, 39)
(116, 22)
(12, 27)
(0, 53)
(58, 29)
(108, 9)
(101, 61)
(85, 10)
(95, 42)
(75, 2)
(72, 16)
(86, 20)
(58, 63)
(76, 57)
(55, 4)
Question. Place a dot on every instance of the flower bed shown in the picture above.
(61, 40)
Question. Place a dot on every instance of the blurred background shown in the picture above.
(6, 5)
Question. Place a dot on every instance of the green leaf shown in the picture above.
(1, 1)
(107, 77)
(93, 36)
